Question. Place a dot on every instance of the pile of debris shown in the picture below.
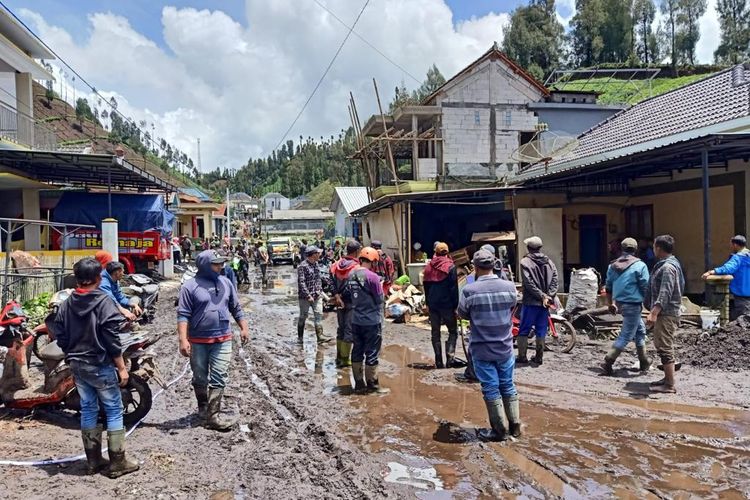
(725, 348)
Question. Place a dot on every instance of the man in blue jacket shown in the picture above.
(111, 276)
(626, 285)
(205, 305)
(738, 266)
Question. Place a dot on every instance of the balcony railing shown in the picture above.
(23, 130)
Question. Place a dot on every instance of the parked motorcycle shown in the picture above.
(27, 387)
(143, 292)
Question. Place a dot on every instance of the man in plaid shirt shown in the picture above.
(310, 293)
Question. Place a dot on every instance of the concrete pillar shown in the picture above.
(110, 239)
(207, 229)
(166, 267)
(31, 233)
(415, 147)
(25, 107)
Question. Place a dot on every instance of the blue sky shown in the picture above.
(145, 15)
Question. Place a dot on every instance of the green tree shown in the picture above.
(689, 13)
(434, 81)
(670, 10)
(644, 12)
(402, 98)
(587, 28)
(534, 37)
(734, 24)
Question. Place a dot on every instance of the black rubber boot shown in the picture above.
(300, 333)
(523, 346)
(119, 464)
(609, 361)
(539, 348)
(513, 411)
(92, 445)
(438, 348)
(213, 419)
(450, 353)
(498, 422)
(643, 359)
(201, 396)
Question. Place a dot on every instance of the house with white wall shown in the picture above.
(346, 201)
(272, 202)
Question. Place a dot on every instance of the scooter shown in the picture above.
(58, 387)
(143, 292)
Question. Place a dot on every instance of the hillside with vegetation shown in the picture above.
(85, 129)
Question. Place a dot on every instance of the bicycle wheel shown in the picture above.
(564, 337)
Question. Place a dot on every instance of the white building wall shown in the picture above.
(341, 216)
(467, 135)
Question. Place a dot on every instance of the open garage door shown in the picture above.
(547, 224)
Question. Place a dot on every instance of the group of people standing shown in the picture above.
(359, 291)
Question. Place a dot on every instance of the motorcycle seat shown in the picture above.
(52, 352)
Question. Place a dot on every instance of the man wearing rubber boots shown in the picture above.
(87, 329)
(488, 305)
(365, 293)
(441, 292)
(341, 271)
(664, 299)
(310, 293)
(206, 302)
(626, 285)
(539, 278)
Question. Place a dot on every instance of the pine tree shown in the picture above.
(434, 81)
(734, 23)
(670, 10)
(644, 12)
(688, 15)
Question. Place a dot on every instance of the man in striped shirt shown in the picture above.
(488, 305)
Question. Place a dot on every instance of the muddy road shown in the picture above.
(302, 434)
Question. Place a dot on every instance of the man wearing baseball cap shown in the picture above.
(539, 279)
(341, 270)
(384, 267)
(626, 285)
(310, 293)
(488, 305)
(738, 266)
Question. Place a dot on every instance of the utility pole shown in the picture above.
(200, 170)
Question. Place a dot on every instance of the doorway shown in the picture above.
(593, 241)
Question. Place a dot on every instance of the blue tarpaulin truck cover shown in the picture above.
(134, 212)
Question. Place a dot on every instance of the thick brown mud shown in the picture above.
(302, 433)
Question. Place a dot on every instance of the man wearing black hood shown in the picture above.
(206, 302)
(539, 278)
(87, 328)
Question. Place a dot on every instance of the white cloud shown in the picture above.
(238, 86)
(710, 34)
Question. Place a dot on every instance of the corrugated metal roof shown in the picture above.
(679, 114)
(197, 193)
(352, 198)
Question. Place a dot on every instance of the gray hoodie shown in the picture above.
(539, 278)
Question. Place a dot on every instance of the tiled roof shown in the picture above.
(352, 198)
(711, 101)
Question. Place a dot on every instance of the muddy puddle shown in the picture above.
(574, 446)
(429, 428)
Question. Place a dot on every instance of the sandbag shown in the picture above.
(584, 288)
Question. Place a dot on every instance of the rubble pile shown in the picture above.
(726, 348)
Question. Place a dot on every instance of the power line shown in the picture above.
(320, 81)
(81, 78)
(367, 42)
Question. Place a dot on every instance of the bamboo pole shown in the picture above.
(399, 242)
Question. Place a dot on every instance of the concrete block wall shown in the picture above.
(465, 140)
(427, 169)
